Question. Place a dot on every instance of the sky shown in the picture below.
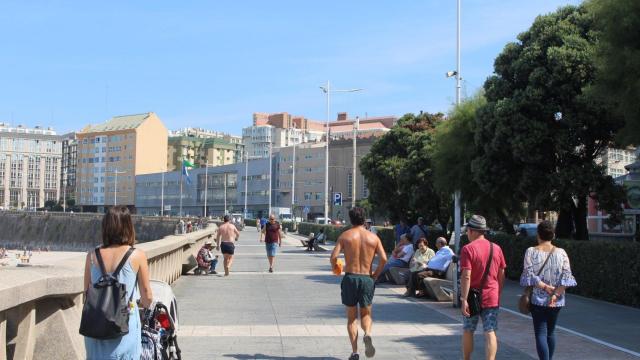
(212, 64)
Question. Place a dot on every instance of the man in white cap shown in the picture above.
(482, 265)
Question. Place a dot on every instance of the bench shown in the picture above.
(399, 276)
(305, 243)
(441, 289)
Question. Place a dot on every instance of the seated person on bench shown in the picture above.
(436, 267)
(400, 257)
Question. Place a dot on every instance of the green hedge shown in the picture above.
(605, 270)
(386, 235)
(250, 222)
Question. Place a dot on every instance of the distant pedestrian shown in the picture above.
(547, 270)
(419, 230)
(227, 235)
(358, 284)
(272, 239)
(478, 258)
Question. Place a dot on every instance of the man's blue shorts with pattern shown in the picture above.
(489, 321)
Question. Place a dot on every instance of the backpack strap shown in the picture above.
(122, 262)
(100, 261)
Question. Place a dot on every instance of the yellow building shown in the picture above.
(110, 155)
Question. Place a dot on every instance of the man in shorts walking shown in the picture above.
(228, 233)
(272, 239)
(474, 258)
(358, 284)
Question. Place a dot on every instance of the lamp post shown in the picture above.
(270, 174)
(356, 126)
(206, 186)
(115, 187)
(162, 197)
(293, 185)
(327, 90)
(246, 181)
(456, 194)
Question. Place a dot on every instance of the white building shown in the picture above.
(615, 160)
(30, 162)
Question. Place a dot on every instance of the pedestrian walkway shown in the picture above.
(295, 313)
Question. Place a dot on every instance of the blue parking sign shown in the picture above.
(337, 198)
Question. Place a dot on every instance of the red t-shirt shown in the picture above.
(474, 256)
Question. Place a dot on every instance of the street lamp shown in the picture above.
(356, 127)
(327, 90)
(456, 194)
(115, 187)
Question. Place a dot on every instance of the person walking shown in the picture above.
(358, 284)
(225, 238)
(117, 253)
(547, 271)
(482, 264)
(272, 239)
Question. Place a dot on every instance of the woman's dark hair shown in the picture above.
(356, 215)
(546, 231)
(117, 227)
(422, 240)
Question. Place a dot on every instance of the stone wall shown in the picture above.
(70, 232)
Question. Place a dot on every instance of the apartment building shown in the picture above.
(203, 147)
(111, 154)
(30, 160)
(615, 160)
(69, 167)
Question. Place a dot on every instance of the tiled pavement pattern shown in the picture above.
(295, 313)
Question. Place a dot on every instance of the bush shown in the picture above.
(387, 235)
(250, 222)
(604, 270)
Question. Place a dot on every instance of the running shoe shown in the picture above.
(354, 357)
(369, 350)
(270, 270)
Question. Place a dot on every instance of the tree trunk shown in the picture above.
(564, 226)
(506, 222)
(580, 219)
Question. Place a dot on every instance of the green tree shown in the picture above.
(540, 133)
(452, 157)
(618, 61)
(399, 172)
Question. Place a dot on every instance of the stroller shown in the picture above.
(160, 325)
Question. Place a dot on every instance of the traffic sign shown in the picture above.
(306, 210)
(337, 198)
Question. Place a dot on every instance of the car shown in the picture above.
(528, 230)
(322, 221)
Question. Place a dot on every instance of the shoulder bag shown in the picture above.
(524, 303)
(474, 298)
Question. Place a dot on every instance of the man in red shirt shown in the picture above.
(473, 260)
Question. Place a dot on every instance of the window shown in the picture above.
(16, 171)
(365, 189)
(307, 196)
(33, 173)
(50, 172)
(318, 196)
(350, 185)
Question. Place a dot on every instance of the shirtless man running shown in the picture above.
(228, 233)
(359, 246)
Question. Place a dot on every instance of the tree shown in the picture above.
(399, 172)
(618, 61)
(452, 157)
(49, 204)
(540, 133)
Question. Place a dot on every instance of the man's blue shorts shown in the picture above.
(489, 320)
(272, 248)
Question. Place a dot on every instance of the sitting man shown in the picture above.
(206, 262)
(310, 240)
(400, 257)
(437, 266)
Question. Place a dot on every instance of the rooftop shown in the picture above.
(125, 122)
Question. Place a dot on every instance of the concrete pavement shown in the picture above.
(295, 313)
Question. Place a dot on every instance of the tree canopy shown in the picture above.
(399, 172)
(539, 134)
(618, 61)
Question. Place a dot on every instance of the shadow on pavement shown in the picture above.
(271, 357)
(450, 347)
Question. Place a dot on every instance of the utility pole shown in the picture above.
(356, 126)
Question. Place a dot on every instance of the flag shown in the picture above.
(185, 172)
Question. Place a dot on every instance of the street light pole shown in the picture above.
(206, 187)
(225, 194)
(356, 126)
(327, 90)
(246, 180)
(270, 175)
(456, 196)
(293, 184)
(162, 197)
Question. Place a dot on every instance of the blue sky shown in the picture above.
(212, 64)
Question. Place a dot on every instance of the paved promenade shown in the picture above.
(295, 313)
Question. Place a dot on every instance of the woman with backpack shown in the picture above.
(113, 331)
(546, 274)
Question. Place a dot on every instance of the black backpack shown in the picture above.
(105, 314)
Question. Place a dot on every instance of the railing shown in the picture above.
(40, 306)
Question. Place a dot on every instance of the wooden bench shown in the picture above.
(441, 289)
